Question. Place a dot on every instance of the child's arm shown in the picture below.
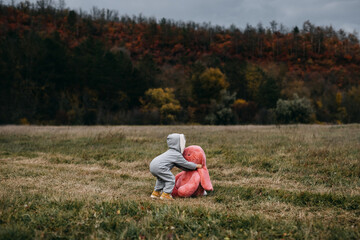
(185, 165)
(198, 166)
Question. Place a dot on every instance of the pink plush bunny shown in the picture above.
(193, 183)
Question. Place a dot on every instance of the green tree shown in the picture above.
(254, 79)
(163, 101)
(244, 111)
(235, 75)
(221, 112)
(208, 85)
(297, 110)
(269, 93)
(352, 104)
(149, 71)
(71, 19)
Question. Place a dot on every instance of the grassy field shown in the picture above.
(270, 182)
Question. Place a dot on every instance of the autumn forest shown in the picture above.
(64, 66)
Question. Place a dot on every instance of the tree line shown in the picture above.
(61, 66)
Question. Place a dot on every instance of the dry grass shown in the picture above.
(302, 179)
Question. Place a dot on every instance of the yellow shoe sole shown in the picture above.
(154, 197)
(166, 199)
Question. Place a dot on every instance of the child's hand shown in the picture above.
(198, 166)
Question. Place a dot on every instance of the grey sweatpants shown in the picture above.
(165, 181)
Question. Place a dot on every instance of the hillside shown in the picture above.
(59, 66)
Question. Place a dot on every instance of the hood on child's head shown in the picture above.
(176, 141)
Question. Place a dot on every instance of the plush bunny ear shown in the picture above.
(203, 158)
(205, 179)
(204, 174)
(196, 154)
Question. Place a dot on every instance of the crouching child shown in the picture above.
(161, 166)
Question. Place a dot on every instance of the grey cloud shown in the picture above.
(338, 13)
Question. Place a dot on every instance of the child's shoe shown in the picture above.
(166, 196)
(155, 195)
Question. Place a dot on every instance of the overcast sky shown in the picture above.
(343, 14)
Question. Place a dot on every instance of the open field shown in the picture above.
(289, 182)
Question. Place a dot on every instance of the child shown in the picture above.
(161, 165)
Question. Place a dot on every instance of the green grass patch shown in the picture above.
(270, 182)
(133, 220)
(308, 199)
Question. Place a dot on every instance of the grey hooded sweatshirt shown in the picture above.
(161, 165)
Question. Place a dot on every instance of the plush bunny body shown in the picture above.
(193, 183)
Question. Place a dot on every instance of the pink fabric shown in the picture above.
(193, 183)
